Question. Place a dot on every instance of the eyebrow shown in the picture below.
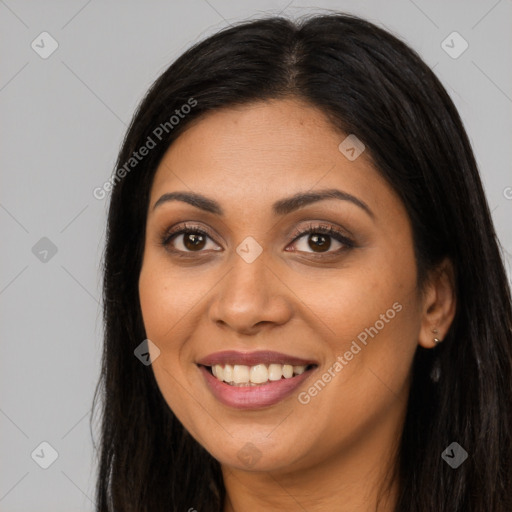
(281, 207)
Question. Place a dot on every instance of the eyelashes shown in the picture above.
(325, 230)
(201, 234)
(169, 235)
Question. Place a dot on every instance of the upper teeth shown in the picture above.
(259, 374)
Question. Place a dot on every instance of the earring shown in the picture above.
(435, 372)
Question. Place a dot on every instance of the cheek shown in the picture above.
(360, 300)
(163, 306)
(154, 302)
(376, 341)
(370, 315)
(169, 298)
(166, 296)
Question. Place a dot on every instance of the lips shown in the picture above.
(266, 357)
(243, 396)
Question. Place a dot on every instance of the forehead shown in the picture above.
(265, 150)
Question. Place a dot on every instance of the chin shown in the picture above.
(254, 454)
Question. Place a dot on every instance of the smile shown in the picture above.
(253, 380)
(260, 374)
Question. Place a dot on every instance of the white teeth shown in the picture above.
(258, 374)
(275, 372)
(228, 373)
(287, 371)
(299, 369)
(219, 371)
(241, 375)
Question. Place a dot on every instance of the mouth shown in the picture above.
(257, 375)
(254, 380)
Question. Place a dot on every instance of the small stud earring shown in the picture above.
(435, 373)
(436, 340)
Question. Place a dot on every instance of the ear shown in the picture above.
(439, 304)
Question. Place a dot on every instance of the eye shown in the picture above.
(186, 238)
(319, 239)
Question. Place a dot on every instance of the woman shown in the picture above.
(305, 305)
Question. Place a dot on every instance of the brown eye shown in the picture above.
(320, 240)
(187, 240)
(193, 241)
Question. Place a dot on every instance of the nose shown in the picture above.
(251, 296)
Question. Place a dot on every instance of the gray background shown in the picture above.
(63, 119)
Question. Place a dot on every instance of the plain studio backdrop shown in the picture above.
(71, 76)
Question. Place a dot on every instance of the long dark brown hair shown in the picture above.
(369, 83)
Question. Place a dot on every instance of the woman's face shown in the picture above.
(348, 306)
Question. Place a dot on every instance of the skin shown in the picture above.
(334, 452)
